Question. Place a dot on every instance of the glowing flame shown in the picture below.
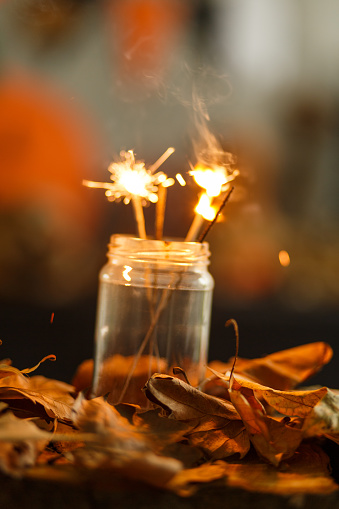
(132, 179)
(126, 271)
(204, 208)
(213, 180)
(284, 258)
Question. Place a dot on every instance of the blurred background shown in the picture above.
(82, 79)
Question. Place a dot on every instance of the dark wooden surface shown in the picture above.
(104, 491)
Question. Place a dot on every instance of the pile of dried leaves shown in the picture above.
(248, 429)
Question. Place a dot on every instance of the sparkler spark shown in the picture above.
(204, 207)
(180, 179)
(131, 179)
(214, 180)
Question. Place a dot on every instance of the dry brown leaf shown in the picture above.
(98, 416)
(324, 417)
(186, 482)
(231, 438)
(115, 371)
(55, 397)
(215, 426)
(138, 465)
(307, 472)
(119, 446)
(290, 403)
(167, 431)
(273, 440)
(30, 370)
(182, 401)
(282, 370)
(20, 444)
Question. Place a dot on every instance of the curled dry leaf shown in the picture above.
(182, 401)
(215, 425)
(54, 397)
(290, 403)
(114, 374)
(273, 440)
(30, 370)
(20, 444)
(228, 439)
(7, 369)
(119, 446)
(186, 482)
(282, 370)
(166, 431)
(308, 472)
(97, 416)
(324, 417)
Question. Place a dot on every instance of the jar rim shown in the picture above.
(167, 249)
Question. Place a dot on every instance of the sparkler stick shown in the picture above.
(139, 216)
(160, 212)
(195, 227)
(204, 211)
(161, 159)
(206, 231)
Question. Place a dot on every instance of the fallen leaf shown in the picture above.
(186, 482)
(228, 440)
(20, 444)
(114, 373)
(29, 370)
(167, 431)
(290, 403)
(182, 401)
(215, 426)
(55, 397)
(282, 370)
(307, 472)
(273, 440)
(324, 417)
(119, 446)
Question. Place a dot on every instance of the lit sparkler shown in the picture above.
(215, 180)
(133, 182)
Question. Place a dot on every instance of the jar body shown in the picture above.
(154, 307)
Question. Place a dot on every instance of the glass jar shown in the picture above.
(154, 308)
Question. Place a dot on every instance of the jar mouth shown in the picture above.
(174, 250)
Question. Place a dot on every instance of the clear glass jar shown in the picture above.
(154, 308)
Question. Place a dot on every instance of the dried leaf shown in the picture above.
(282, 370)
(185, 482)
(29, 370)
(138, 465)
(115, 371)
(230, 439)
(215, 426)
(119, 446)
(290, 403)
(273, 440)
(54, 396)
(20, 444)
(182, 401)
(307, 472)
(324, 417)
(167, 431)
